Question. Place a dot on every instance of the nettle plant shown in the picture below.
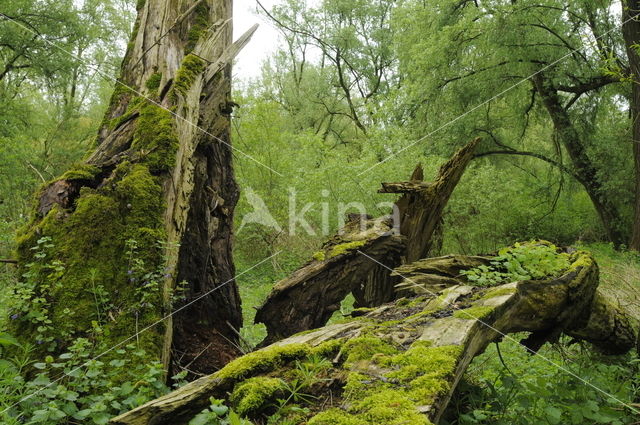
(522, 261)
(76, 388)
(30, 297)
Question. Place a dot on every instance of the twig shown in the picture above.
(8, 261)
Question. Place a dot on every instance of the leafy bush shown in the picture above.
(74, 386)
(218, 414)
(522, 261)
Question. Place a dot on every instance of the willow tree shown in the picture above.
(142, 227)
(553, 73)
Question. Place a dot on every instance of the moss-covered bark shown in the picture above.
(150, 207)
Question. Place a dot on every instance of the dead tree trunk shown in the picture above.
(400, 363)
(153, 205)
(422, 203)
(308, 297)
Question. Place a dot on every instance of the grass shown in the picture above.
(619, 275)
(545, 389)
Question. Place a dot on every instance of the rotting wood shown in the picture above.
(307, 299)
(384, 356)
(422, 204)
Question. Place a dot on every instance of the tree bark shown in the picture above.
(631, 33)
(161, 173)
(357, 259)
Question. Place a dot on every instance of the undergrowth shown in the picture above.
(522, 261)
(544, 389)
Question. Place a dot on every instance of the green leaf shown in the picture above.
(554, 415)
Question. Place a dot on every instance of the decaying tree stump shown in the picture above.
(307, 299)
(422, 204)
(161, 174)
(399, 363)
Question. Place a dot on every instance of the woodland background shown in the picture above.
(353, 83)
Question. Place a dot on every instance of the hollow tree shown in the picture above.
(151, 206)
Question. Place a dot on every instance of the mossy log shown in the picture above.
(308, 298)
(399, 363)
(153, 204)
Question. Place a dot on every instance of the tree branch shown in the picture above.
(533, 155)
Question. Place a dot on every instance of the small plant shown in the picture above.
(531, 390)
(101, 298)
(71, 388)
(218, 414)
(522, 261)
(31, 295)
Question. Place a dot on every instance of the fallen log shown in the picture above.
(399, 363)
(309, 297)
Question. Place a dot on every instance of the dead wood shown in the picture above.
(407, 356)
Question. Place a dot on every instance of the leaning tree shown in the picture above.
(142, 228)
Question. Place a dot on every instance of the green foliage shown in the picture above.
(460, 56)
(218, 414)
(529, 389)
(531, 260)
(75, 386)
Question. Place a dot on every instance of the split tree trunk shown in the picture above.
(161, 173)
(357, 260)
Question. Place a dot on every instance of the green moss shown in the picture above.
(89, 242)
(345, 247)
(191, 67)
(254, 394)
(334, 417)
(498, 292)
(391, 407)
(199, 26)
(406, 381)
(153, 83)
(81, 172)
(580, 259)
(327, 348)
(472, 313)
(262, 360)
(365, 347)
(319, 256)
(422, 363)
(155, 138)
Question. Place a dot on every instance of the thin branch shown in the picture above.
(534, 155)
